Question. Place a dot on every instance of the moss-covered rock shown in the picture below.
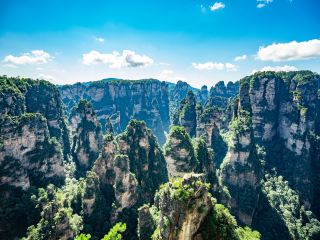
(184, 210)
(86, 136)
(179, 152)
(130, 169)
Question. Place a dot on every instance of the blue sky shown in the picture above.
(201, 42)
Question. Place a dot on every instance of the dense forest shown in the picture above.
(119, 159)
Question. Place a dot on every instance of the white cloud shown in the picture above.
(240, 58)
(285, 68)
(263, 3)
(208, 66)
(46, 77)
(99, 39)
(231, 67)
(217, 5)
(290, 51)
(215, 66)
(34, 57)
(9, 66)
(128, 58)
(169, 75)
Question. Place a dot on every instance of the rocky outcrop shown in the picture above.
(203, 95)
(18, 96)
(186, 116)
(220, 94)
(241, 170)
(209, 116)
(181, 206)
(122, 100)
(285, 110)
(130, 169)
(86, 136)
(177, 92)
(274, 123)
(179, 153)
(184, 210)
(221, 90)
(33, 145)
(28, 156)
(184, 156)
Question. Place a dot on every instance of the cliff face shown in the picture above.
(220, 94)
(178, 204)
(18, 96)
(33, 138)
(184, 156)
(274, 124)
(203, 95)
(130, 170)
(240, 170)
(86, 136)
(177, 93)
(285, 112)
(222, 90)
(179, 153)
(28, 156)
(186, 116)
(123, 100)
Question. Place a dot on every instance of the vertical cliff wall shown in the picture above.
(122, 100)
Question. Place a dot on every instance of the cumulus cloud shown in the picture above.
(263, 3)
(240, 58)
(127, 58)
(34, 57)
(217, 5)
(215, 66)
(290, 51)
(46, 77)
(285, 68)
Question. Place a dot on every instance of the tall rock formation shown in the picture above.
(184, 156)
(241, 170)
(130, 170)
(86, 136)
(275, 123)
(122, 100)
(184, 210)
(186, 116)
(177, 92)
(179, 152)
(203, 95)
(33, 138)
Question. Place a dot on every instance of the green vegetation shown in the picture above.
(186, 115)
(87, 136)
(179, 139)
(301, 223)
(83, 237)
(57, 216)
(140, 156)
(115, 233)
(221, 225)
(182, 191)
(179, 133)
(242, 123)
